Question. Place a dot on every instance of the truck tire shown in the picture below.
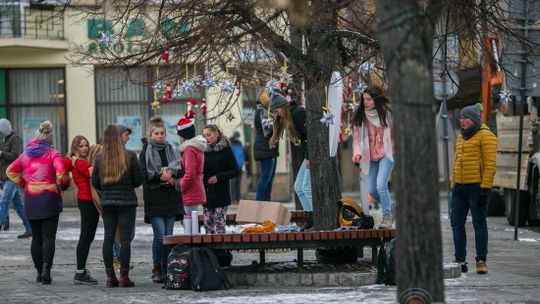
(496, 204)
(523, 206)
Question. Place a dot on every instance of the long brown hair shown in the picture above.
(281, 123)
(94, 152)
(114, 156)
(382, 105)
(75, 146)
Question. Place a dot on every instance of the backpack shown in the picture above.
(350, 214)
(178, 266)
(205, 272)
(386, 264)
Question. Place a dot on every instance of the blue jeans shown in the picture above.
(302, 187)
(161, 225)
(267, 168)
(12, 196)
(116, 249)
(465, 197)
(377, 183)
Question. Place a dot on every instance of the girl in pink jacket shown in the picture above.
(40, 170)
(192, 149)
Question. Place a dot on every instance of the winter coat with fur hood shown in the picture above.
(193, 162)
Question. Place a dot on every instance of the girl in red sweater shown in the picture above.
(77, 163)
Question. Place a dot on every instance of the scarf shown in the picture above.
(153, 161)
(468, 133)
(373, 118)
(219, 145)
(267, 121)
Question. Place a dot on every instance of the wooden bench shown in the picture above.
(291, 240)
(296, 217)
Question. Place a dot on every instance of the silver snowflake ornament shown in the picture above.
(228, 87)
(327, 119)
(209, 82)
(271, 85)
(187, 86)
(106, 38)
(159, 86)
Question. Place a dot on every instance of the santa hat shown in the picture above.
(185, 128)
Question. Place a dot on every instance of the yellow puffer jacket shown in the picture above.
(475, 159)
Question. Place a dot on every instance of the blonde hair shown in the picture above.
(94, 151)
(114, 156)
(75, 146)
(155, 122)
(280, 124)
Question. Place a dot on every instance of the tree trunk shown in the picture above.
(406, 35)
(324, 172)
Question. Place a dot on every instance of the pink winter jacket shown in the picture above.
(193, 162)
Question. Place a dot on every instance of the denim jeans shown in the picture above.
(11, 196)
(302, 187)
(116, 249)
(267, 168)
(235, 186)
(465, 197)
(161, 226)
(377, 183)
(124, 218)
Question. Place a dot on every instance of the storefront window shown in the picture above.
(31, 96)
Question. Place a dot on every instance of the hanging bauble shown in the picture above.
(168, 91)
(155, 105)
(203, 106)
(237, 89)
(228, 87)
(165, 57)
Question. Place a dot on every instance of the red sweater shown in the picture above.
(80, 170)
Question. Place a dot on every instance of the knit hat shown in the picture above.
(45, 132)
(277, 101)
(185, 128)
(473, 113)
(5, 127)
(123, 128)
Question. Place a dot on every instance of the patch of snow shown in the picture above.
(528, 240)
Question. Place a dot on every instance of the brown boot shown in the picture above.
(124, 278)
(112, 281)
(481, 267)
(157, 274)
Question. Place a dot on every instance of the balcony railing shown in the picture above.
(24, 19)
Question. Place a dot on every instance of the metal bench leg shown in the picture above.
(374, 254)
(360, 251)
(300, 252)
(262, 256)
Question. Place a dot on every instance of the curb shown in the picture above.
(316, 278)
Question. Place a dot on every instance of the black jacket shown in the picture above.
(222, 164)
(160, 199)
(261, 148)
(11, 148)
(121, 193)
(299, 118)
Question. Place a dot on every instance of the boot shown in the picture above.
(157, 274)
(39, 273)
(46, 274)
(308, 224)
(481, 267)
(124, 278)
(112, 281)
(387, 222)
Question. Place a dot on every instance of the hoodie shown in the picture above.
(40, 170)
(193, 161)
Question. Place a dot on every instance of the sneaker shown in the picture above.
(116, 263)
(27, 234)
(84, 278)
(464, 267)
(481, 267)
(387, 222)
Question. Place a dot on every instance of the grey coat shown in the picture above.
(10, 148)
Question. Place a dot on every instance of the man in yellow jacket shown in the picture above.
(472, 179)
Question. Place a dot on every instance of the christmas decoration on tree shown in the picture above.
(228, 87)
(190, 104)
(106, 38)
(168, 93)
(237, 89)
(165, 57)
(203, 106)
(158, 86)
(271, 85)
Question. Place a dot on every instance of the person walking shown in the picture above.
(219, 167)
(40, 170)
(475, 161)
(161, 170)
(10, 148)
(262, 153)
(192, 148)
(239, 156)
(116, 174)
(77, 163)
(290, 116)
(373, 147)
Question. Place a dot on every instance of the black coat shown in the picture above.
(299, 118)
(121, 193)
(261, 148)
(223, 165)
(11, 148)
(160, 199)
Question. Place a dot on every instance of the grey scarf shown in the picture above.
(153, 161)
(221, 144)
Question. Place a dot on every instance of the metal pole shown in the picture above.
(523, 89)
(445, 148)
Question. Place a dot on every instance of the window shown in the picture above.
(30, 96)
(125, 97)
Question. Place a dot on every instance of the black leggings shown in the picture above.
(89, 222)
(124, 217)
(43, 240)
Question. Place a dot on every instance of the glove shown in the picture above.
(484, 197)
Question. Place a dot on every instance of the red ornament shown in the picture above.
(237, 91)
(203, 106)
(282, 85)
(190, 114)
(165, 57)
(168, 91)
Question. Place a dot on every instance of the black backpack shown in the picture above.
(386, 264)
(178, 267)
(205, 272)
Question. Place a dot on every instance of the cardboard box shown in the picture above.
(258, 212)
